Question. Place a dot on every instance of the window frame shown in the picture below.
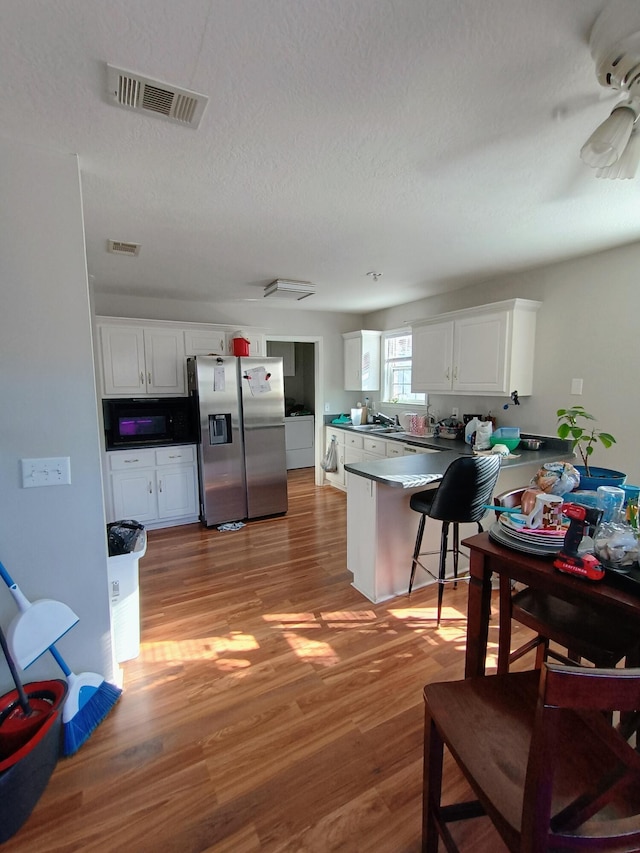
(414, 398)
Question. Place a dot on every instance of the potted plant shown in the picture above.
(583, 439)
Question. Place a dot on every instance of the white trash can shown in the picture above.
(124, 597)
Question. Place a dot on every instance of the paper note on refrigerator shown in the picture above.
(258, 379)
(218, 378)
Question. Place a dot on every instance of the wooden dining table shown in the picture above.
(615, 595)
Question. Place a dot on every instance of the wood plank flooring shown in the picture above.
(272, 707)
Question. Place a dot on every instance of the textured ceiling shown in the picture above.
(435, 141)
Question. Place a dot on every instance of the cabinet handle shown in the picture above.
(447, 374)
(159, 485)
(141, 378)
(129, 461)
(455, 372)
(149, 377)
(175, 456)
(150, 488)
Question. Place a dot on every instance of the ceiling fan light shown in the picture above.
(608, 141)
(626, 165)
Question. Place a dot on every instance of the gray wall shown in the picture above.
(52, 540)
(587, 329)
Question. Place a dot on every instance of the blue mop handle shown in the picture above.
(60, 660)
(6, 577)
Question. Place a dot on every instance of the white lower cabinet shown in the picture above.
(157, 487)
(335, 478)
(353, 447)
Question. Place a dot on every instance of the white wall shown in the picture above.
(587, 328)
(52, 540)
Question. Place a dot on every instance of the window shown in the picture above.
(396, 368)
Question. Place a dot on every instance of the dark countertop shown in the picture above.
(423, 468)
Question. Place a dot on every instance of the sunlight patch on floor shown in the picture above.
(206, 648)
(311, 650)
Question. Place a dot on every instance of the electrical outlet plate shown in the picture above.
(454, 412)
(50, 471)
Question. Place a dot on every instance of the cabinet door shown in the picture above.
(362, 361)
(134, 495)
(352, 364)
(205, 343)
(177, 494)
(432, 357)
(336, 478)
(480, 353)
(123, 363)
(165, 361)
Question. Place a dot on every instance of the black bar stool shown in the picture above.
(467, 485)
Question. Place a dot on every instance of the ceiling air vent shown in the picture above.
(135, 92)
(117, 247)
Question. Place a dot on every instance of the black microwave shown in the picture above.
(148, 422)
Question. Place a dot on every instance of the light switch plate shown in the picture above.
(576, 386)
(49, 471)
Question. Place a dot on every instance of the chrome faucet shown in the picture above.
(385, 419)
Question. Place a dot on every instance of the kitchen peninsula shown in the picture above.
(381, 526)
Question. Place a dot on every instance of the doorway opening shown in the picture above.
(303, 383)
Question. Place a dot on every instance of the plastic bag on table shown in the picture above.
(330, 461)
(556, 478)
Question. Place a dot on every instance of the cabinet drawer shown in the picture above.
(126, 460)
(410, 450)
(394, 448)
(375, 446)
(351, 440)
(175, 455)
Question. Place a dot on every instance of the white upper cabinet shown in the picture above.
(362, 360)
(485, 350)
(138, 361)
(205, 342)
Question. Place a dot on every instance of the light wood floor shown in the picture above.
(272, 707)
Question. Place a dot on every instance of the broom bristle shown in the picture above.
(92, 713)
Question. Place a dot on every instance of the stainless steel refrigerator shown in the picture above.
(241, 455)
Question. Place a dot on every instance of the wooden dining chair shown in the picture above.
(579, 628)
(546, 765)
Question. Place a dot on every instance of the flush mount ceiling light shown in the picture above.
(375, 275)
(613, 149)
(284, 288)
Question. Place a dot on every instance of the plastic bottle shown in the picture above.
(469, 430)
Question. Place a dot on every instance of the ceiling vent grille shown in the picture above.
(135, 92)
(117, 247)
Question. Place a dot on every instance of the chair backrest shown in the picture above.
(467, 485)
(510, 499)
(581, 763)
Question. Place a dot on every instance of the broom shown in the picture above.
(90, 697)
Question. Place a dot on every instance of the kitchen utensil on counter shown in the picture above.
(531, 443)
(506, 435)
(449, 428)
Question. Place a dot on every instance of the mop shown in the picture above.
(34, 631)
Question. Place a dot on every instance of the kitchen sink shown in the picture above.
(377, 428)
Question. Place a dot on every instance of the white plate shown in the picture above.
(541, 534)
(502, 537)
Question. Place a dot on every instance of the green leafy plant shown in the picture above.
(582, 437)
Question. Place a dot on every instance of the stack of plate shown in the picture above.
(510, 531)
